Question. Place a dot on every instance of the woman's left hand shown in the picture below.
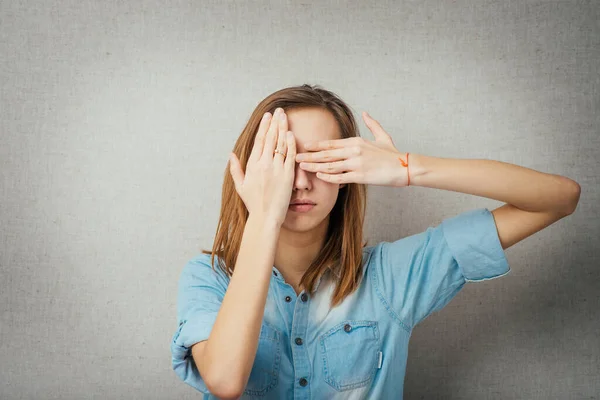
(357, 160)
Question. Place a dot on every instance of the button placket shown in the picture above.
(301, 359)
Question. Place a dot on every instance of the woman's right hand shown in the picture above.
(266, 187)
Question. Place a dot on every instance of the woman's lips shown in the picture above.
(301, 207)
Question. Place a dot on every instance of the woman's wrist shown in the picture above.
(265, 222)
(417, 167)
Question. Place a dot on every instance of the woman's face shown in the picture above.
(311, 125)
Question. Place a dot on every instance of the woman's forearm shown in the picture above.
(233, 341)
(522, 187)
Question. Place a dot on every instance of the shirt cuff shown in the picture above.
(189, 333)
(473, 240)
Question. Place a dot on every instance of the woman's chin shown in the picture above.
(296, 222)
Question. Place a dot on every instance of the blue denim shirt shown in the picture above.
(358, 349)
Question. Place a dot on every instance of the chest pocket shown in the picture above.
(265, 370)
(349, 354)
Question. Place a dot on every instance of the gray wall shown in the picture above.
(117, 119)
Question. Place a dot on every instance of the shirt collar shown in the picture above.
(277, 276)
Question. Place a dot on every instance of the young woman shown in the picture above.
(297, 306)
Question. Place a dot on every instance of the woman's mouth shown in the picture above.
(301, 207)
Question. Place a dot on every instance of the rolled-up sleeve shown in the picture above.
(200, 294)
(421, 273)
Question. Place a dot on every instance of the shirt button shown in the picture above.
(304, 297)
(303, 382)
(288, 298)
(298, 341)
(347, 328)
(275, 273)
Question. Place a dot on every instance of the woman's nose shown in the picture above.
(301, 177)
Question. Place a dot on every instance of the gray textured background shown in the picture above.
(116, 123)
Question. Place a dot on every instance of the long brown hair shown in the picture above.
(342, 250)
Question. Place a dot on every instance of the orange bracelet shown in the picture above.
(405, 164)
